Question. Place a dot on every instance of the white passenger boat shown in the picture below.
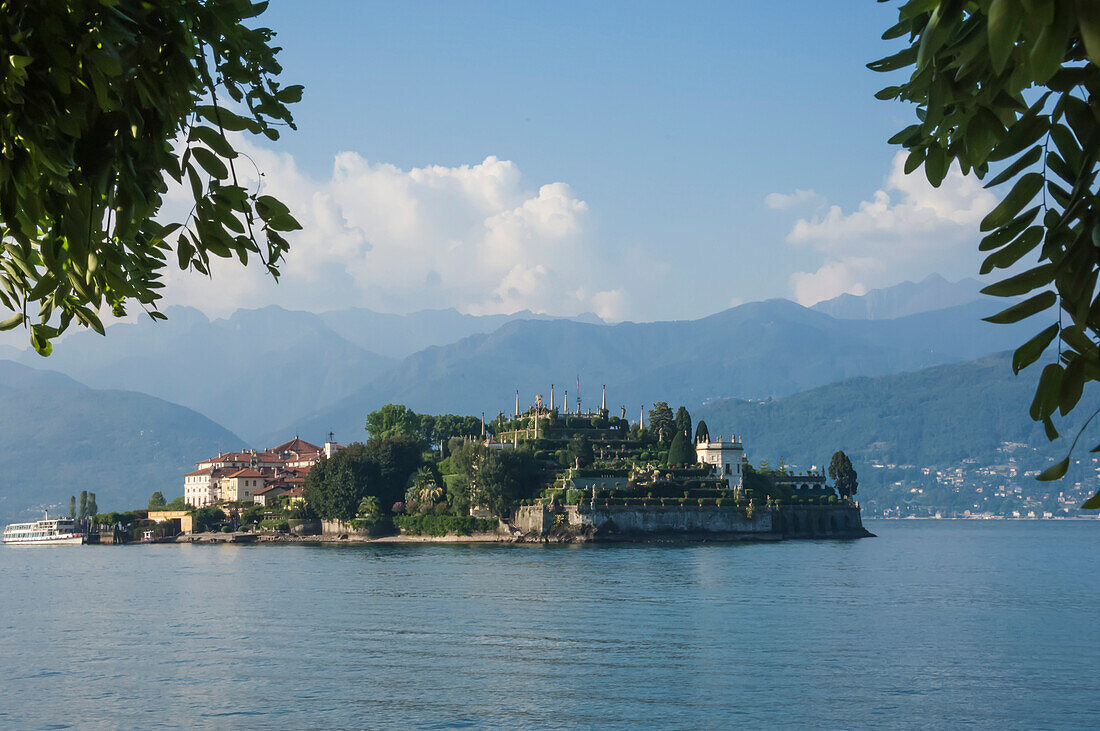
(48, 532)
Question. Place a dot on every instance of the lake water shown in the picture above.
(933, 624)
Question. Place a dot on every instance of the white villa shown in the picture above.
(239, 476)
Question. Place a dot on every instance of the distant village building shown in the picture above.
(252, 476)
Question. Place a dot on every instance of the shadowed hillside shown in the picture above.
(60, 437)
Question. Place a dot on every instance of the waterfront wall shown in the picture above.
(818, 521)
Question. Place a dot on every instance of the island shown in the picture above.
(543, 473)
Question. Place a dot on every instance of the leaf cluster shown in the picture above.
(101, 105)
(1014, 85)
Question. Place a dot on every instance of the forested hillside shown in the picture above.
(60, 437)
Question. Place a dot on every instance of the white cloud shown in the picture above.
(782, 201)
(476, 237)
(906, 231)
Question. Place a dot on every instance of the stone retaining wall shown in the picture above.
(817, 521)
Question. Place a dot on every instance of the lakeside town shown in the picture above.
(971, 490)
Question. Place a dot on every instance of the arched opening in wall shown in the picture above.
(794, 522)
(805, 487)
(833, 524)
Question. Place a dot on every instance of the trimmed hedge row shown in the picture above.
(441, 525)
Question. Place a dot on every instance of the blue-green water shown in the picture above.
(933, 624)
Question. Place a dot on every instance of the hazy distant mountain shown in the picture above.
(907, 298)
(58, 437)
(757, 350)
(249, 371)
(935, 415)
(261, 368)
(398, 336)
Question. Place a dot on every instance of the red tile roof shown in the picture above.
(246, 472)
(295, 445)
(269, 488)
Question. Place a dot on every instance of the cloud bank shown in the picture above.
(906, 231)
(480, 238)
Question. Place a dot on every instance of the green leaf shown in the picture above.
(215, 141)
(1022, 283)
(210, 162)
(1088, 16)
(1009, 231)
(896, 61)
(1073, 385)
(1055, 472)
(1025, 309)
(1046, 393)
(1033, 349)
(12, 322)
(1015, 251)
(268, 207)
(1093, 503)
(1003, 27)
(982, 134)
(290, 95)
(936, 165)
(1025, 189)
(20, 62)
(1027, 160)
(226, 119)
(1048, 52)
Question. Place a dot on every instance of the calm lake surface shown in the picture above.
(933, 624)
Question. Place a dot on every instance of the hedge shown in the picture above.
(441, 525)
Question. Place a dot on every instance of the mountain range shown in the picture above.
(907, 298)
(758, 350)
(271, 373)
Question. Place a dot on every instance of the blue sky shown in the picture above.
(667, 124)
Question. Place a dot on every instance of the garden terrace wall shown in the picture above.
(693, 522)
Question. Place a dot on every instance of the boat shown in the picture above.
(48, 532)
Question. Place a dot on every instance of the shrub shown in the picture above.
(574, 497)
(441, 525)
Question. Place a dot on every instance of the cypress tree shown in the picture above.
(702, 434)
(683, 422)
(72, 506)
(83, 512)
(678, 455)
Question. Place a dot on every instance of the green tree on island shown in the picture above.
(580, 451)
(662, 424)
(380, 468)
(393, 420)
(99, 108)
(843, 475)
(1015, 86)
(156, 500)
(683, 422)
(680, 453)
(82, 511)
(72, 506)
(702, 433)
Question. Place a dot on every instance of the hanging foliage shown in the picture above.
(1013, 86)
(101, 104)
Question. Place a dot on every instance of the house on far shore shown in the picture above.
(238, 476)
